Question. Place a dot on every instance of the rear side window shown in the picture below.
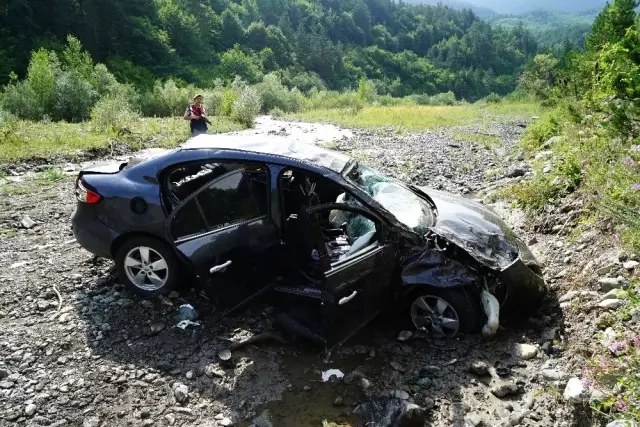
(187, 221)
(239, 196)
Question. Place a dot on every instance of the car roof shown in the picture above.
(271, 145)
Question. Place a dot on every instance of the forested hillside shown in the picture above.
(524, 6)
(551, 29)
(403, 49)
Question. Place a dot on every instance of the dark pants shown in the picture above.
(198, 126)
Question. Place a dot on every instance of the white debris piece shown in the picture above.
(184, 323)
(331, 372)
(492, 310)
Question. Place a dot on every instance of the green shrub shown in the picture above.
(112, 112)
(276, 112)
(493, 98)
(73, 98)
(167, 99)
(445, 98)
(542, 129)
(229, 97)
(275, 95)
(247, 106)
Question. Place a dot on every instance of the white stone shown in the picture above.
(630, 265)
(525, 351)
(622, 423)
(613, 294)
(611, 303)
(226, 422)
(180, 392)
(574, 391)
(30, 410)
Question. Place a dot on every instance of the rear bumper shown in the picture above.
(92, 234)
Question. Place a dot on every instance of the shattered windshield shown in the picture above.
(405, 205)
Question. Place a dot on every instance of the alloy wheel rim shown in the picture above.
(435, 316)
(146, 268)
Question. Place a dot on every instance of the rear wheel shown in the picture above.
(147, 266)
(443, 313)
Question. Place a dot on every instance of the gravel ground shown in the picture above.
(97, 355)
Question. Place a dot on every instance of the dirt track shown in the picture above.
(109, 358)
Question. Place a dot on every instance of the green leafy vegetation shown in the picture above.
(551, 30)
(323, 44)
(411, 117)
(588, 146)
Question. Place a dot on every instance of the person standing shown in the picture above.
(196, 114)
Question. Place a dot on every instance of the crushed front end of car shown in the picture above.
(469, 245)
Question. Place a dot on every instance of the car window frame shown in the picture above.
(194, 195)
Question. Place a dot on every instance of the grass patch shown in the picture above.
(26, 139)
(417, 117)
(50, 176)
(5, 233)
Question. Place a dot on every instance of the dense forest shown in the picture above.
(551, 29)
(524, 6)
(403, 49)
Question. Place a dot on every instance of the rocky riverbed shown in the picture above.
(77, 349)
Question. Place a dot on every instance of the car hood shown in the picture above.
(476, 229)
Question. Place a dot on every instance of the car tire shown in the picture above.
(463, 305)
(155, 275)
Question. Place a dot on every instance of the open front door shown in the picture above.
(224, 231)
(361, 262)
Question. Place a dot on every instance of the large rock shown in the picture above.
(622, 423)
(630, 265)
(554, 375)
(574, 391)
(611, 303)
(608, 283)
(525, 351)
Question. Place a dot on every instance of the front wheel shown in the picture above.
(443, 313)
(147, 266)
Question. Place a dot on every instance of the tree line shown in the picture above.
(402, 49)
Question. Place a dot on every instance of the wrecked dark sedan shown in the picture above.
(330, 241)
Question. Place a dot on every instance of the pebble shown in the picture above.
(189, 375)
(30, 410)
(504, 389)
(397, 366)
(405, 336)
(225, 422)
(630, 265)
(400, 394)
(429, 403)
(337, 401)
(170, 418)
(64, 318)
(479, 368)
(525, 351)
(306, 388)
(180, 392)
(27, 222)
(574, 391)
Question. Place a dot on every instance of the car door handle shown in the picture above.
(345, 300)
(220, 267)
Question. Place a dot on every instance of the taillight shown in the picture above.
(85, 195)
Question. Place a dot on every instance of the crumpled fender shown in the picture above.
(435, 268)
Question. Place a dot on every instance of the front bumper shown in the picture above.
(525, 289)
(92, 234)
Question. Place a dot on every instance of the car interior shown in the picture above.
(319, 241)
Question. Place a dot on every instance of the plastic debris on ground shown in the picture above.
(326, 375)
(184, 323)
